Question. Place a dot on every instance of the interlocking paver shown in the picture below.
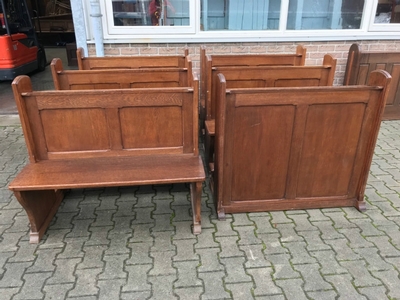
(240, 290)
(33, 283)
(299, 253)
(229, 246)
(110, 289)
(282, 267)
(358, 270)
(190, 293)
(254, 256)
(292, 288)
(114, 267)
(187, 275)
(162, 263)
(264, 285)
(57, 291)
(391, 280)
(185, 250)
(344, 286)
(209, 261)
(313, 281)
(314, 241)
(213, 286)
(162, 287)
(86, 283)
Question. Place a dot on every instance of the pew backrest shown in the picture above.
(131, 62)
(114, 122)
(361, 63)
(296, 148)
(270, 76)
(115, 79)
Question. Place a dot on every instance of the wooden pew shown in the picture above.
(105, 138)
(361, 63)
(208, 61)
(296, 148)
(131, 62)
(124, 78)
(257, 77)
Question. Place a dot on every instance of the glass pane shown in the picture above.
(240, 14)
(324, 14)
(387, 11)
(151, 12)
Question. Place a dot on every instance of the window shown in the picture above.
(249, 20)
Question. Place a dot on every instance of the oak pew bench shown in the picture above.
(105, 138)
(259, 77)
(295, 147)
(209, 61)
(124, 78)
(361, 63)
(131, 61)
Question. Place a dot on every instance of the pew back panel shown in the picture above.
(361, 63)
(295, 148)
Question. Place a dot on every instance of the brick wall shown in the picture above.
(315, 50)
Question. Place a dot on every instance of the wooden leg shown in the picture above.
(209, 149)
(195, 190)
(40, 207)
(361, 206)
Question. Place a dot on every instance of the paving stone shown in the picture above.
(162, 287)
(44, 260)
(373, 196)
(25, 253)
(394, 199)
(80, 228)
(181, 213)
(312, 277)
(162, 264)
(229, 246)
(214, 286)
(185, 250)
(86, 283)
(12, 276)
(110, 289)
(282, 267)
(247, 235)
(292, 288)
(209, 261)
(143, 215)
(279, 217)
(344, 287)
(366, 227)
(162, 191)
(118, 243)
(98, 236)
(64, 272)
(273, 244)
(323, 295)
(327, 259)
(241, 219)
(342, 249)
(137, 278)
(139, 253)
(163, 242)
(114, 267)
(224, 228)
(103, 218)
(275, 297)
(206, 239)
(254, 256)
(144, 201)
(374, 293)
(54, 238)
(73, 248)
(125, 209)
(189, 293)
(163, 206)
(33, 284)
(4, 258)
(339, 220)
(288, 234)
(10, 241)
(386, 249)
(360, 273)
(302, 222)
(7, 216)
(87, 211)
(187, 275)
(374, 260)
(388, 210)
(183, 230)
(8, 293)
(299, 253)
(355, 238)
(263, 224)
(235, 273)
(93, 257)
(314, 241)
(163, 223)
(142, 233)
(57, 291)
(391, 281)
(264, 285)
(136, 295)
(241, 290)
(378, 219)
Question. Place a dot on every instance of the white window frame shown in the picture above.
(192, 33)
(132, 31)
(392, 27)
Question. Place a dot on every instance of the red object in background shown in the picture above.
(14, 53)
